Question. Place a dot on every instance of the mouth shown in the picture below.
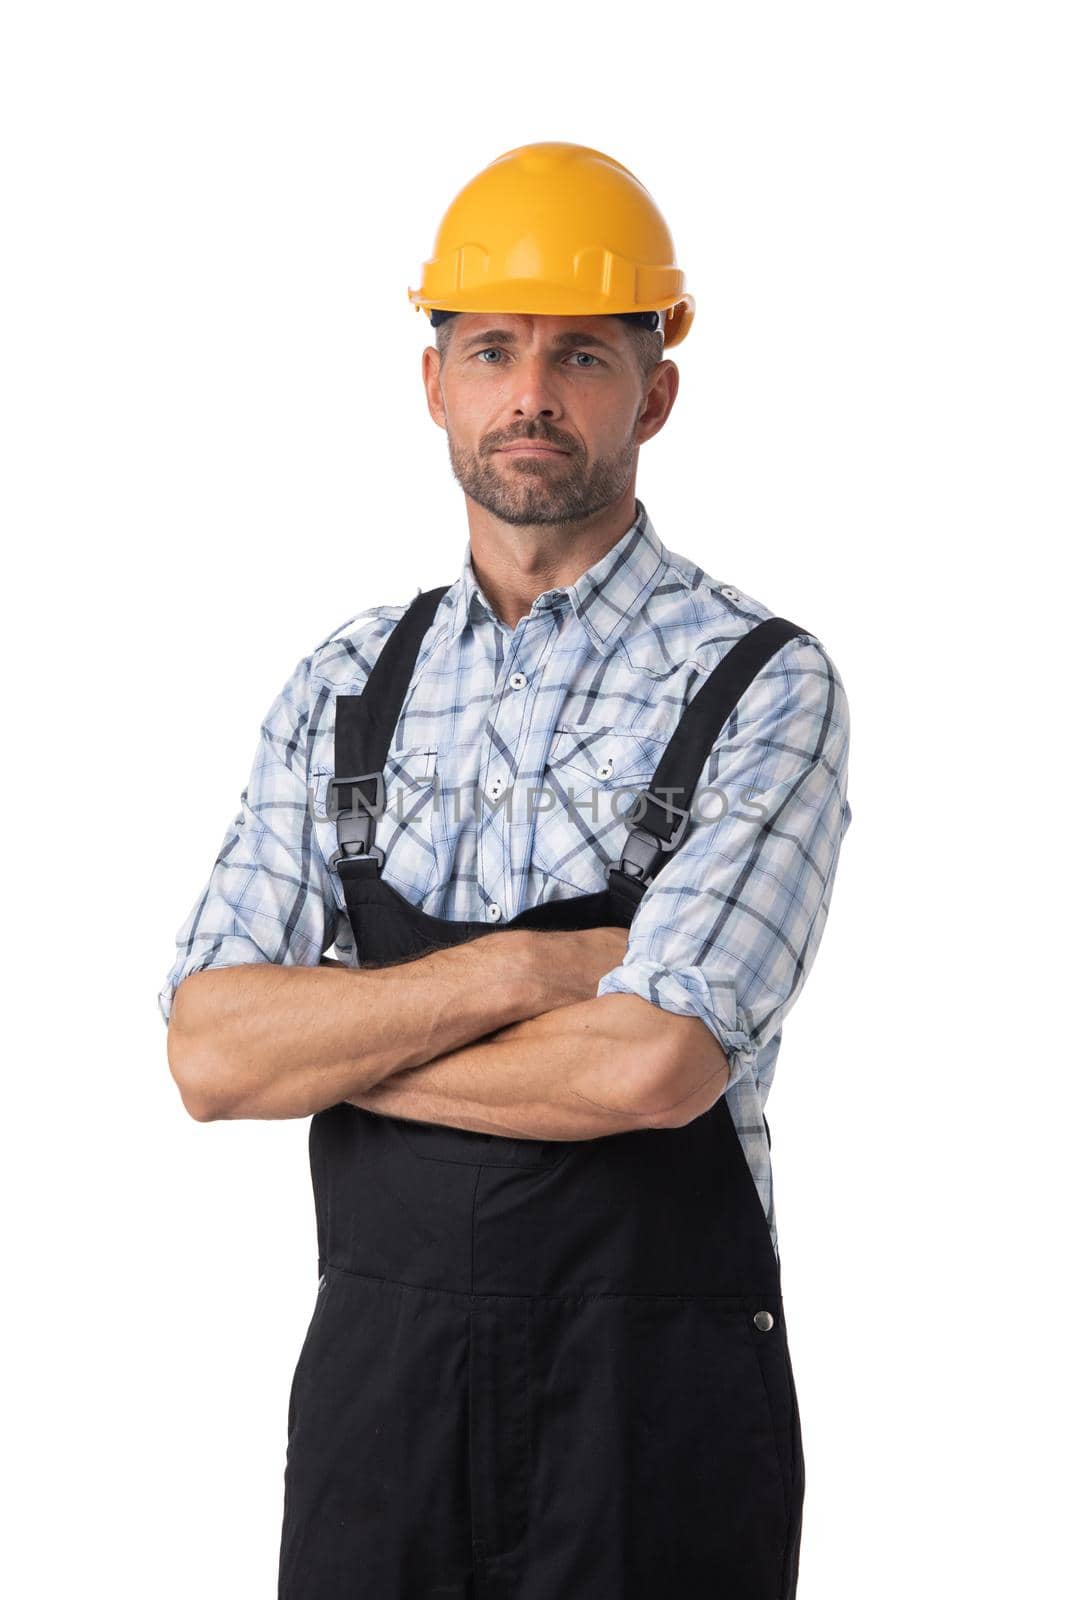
(531, 450)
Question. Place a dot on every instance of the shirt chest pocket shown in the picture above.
(592, 777)
(403, 832)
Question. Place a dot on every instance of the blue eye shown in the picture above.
(494, 349)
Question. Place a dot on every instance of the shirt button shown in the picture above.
(518, 680)
(731, 594)
(764, 1321)
(494, 912)
(606, 769)
(496, 788)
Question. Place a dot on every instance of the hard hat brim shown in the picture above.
(531, 297)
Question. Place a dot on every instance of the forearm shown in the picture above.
(577, 1072)
(270, 1041)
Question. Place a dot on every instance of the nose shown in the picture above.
(535, 394)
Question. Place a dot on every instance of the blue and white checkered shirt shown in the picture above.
(515, 756)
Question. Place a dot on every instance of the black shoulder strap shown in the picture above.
(659, 816)
(363, 733)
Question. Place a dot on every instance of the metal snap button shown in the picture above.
(764, 1321)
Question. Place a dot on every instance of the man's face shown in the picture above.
(542, 413)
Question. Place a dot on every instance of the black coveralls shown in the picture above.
(536, 1370)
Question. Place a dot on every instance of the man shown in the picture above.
(572, 823)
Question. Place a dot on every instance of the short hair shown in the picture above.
(647, 343)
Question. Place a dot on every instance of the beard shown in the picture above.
(531, 491)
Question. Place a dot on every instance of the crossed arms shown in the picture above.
(542, 1034)
(503, 1034)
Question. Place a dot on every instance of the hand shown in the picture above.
(570, 963)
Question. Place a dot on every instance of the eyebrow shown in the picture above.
(563, 341)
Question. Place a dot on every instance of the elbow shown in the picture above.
(193, 1078)
(665, 1068)
(688, 1073)
(194, 1067)
(200, 1109)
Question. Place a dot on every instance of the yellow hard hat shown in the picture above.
(556, 229)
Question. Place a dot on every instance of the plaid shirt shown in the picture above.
(517, 752)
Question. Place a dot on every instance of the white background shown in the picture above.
(216, 448)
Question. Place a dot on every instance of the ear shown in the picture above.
(431, 378)
(659, 401)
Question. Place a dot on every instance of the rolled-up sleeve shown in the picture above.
(268, 897)
(728, 929)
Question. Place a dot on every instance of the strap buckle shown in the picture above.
(355, 820)
(646, 844)
(374, 804)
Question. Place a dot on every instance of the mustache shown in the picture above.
(540, 435)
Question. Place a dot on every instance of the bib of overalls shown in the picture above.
(536, 1369)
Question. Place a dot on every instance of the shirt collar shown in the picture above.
(603, 598)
